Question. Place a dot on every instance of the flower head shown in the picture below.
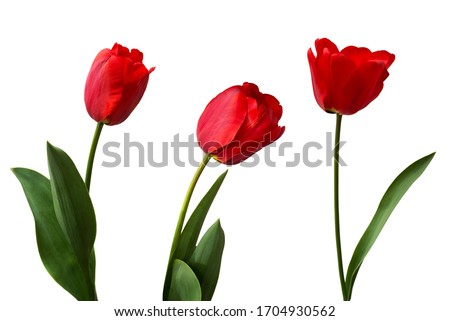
(239, 122)
(115, 84)
(346, 81)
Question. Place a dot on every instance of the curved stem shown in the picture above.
(337, 228)
(185, 205)
(98, 131)
(180, 223)
(87, 181)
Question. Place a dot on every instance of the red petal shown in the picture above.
(273, 135)
(259, 129)
(131, 96)
(252, 110)
(251, 90)
(134, 72)
(375, 85)
(221, 119)
(324, 43)
(358, 55)
(362, 55)
(384, 56)
(319, 77)
(119, 50)
(342, 70)
(238, 151)
(323, 77)
(363, 87)
(103, 86)
(118, 74)
(136, 55)
(256, 127)
(273, 104)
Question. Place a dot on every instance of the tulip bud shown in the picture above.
(115, 84)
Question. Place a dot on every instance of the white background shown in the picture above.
(278, 221)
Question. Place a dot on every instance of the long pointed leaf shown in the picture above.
(206, 259)
(391, 198)
(73, 208)
(92, 263)
(72, 203)
(54, 249)
(184, 285)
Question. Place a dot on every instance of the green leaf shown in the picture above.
(184, 285)
(189, 235)
(72, 203)
(391, 198)
(191, 231)
(91, 267)
(54, 249)
(206, 259)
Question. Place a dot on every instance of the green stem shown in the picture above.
(98, 131)
(90, 163)
(185, 205)
(178, 229)
(337, 228)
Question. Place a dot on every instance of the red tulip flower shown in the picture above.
(115, 84)
(239, 122)
(346, 81)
